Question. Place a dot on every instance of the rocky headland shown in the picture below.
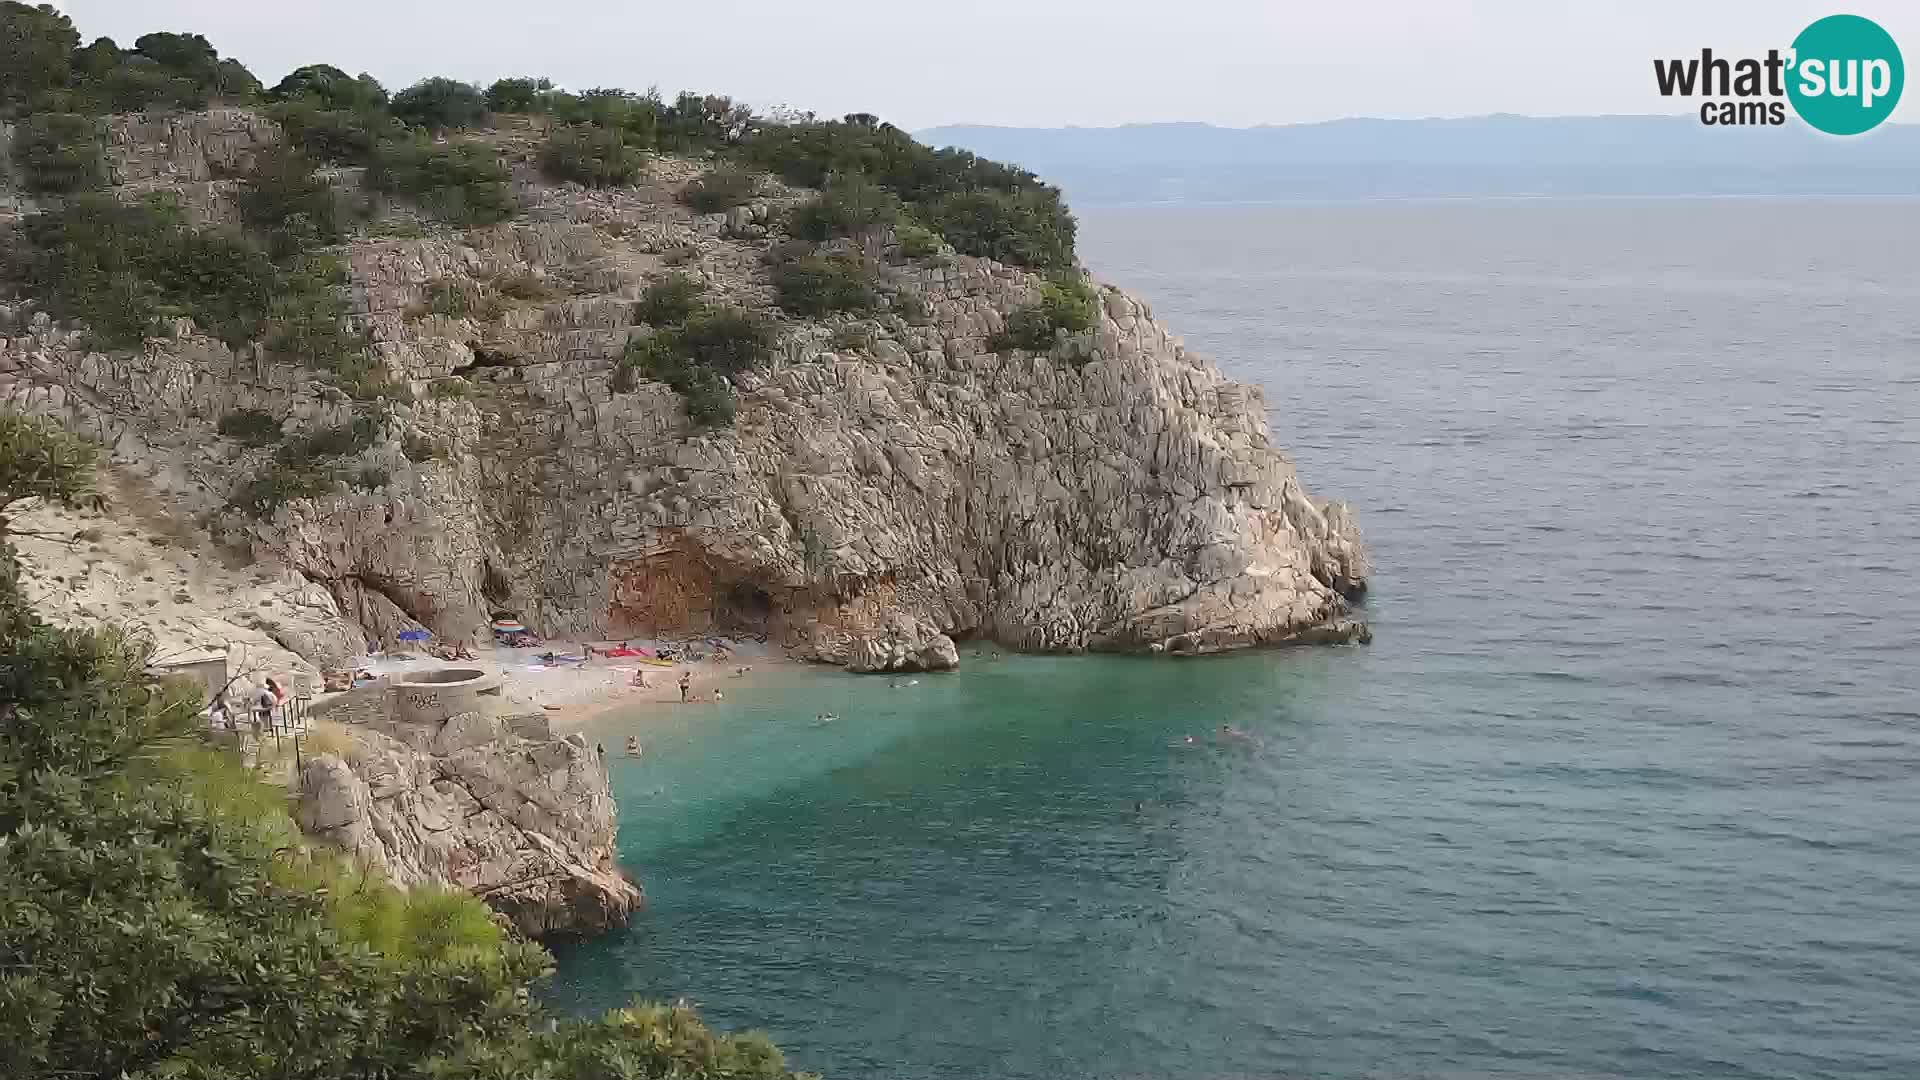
(892, 479)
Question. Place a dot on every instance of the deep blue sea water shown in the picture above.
(1628, 784)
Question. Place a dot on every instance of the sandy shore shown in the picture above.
(572, 694)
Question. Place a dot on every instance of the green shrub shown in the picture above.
(279, 484)
(59, 153)
(252, 427)
(339, 136)
(822, 283)
(707, 394)
(722, 189)
(1065, 305)
(669, 300)
(324, 86)
(697, 357)
(124, 267)
(521, 95)
(1028, 228)
(591, 155)
(917, 241)
(372, 478)
(306, 322)
(282, 198)
(451, 388)
(847, 208)
(726, 339)
(983, 207)
(440, 104)
(463, 183)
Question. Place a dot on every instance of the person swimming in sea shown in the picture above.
(1185, 743)
(1234, 734)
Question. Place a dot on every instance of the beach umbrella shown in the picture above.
(414, 635)
(507, 625)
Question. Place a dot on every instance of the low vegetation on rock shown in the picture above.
(59, 153)
(823, 282)
(722, 189)
(462, 183)
(669, 300)
(1065, 306)
(698, 357)
(592, 155)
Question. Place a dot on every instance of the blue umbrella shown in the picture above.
(414, 635)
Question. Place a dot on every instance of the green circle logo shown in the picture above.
(1847, 75)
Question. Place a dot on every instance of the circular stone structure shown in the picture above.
(429, 697)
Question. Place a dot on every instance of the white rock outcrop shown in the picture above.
(524, 824)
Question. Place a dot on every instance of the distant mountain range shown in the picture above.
(1486, 155)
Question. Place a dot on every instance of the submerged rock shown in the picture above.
(527, 825)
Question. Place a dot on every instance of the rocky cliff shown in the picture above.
(888, 483)
(524, 823)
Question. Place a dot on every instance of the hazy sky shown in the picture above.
(1028, 62)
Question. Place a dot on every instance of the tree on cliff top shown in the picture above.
(160, 917)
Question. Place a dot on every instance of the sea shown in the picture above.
(1626, 785)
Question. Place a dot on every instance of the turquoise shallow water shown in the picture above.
(1627, 785)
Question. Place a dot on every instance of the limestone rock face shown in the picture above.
(1116, 493)
(904, 644)
(524, 824)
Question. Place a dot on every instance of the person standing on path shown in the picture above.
(686, 684)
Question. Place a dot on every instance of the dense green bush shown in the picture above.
(37, 44)
(123, 267)
(917, 241)
(282, 198)
(43, 69)
(697, 358)
(983, 207)
(722, 189)
(591, 155)
(847, 208)
(339, 136)
(707, 393)
(325, 87)
(1065, 305)
(822, 283)
(669, 300)
(727, 339)
(519, 95)
(252, 427)
(1027, 228)
(58, 153)
(440, 104)
(461, 183)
